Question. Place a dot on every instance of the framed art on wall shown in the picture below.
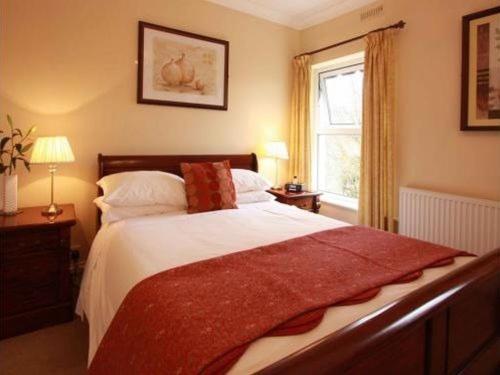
(481, 70)
(179, 68)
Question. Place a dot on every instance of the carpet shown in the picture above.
(56, 350)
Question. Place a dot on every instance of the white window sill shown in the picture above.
(337, 200)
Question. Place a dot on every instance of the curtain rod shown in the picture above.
(400, 25)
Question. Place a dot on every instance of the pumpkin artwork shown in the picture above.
(180, 72)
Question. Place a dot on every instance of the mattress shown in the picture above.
(126, 252)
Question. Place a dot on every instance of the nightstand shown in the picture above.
(35, 283)
(307, 200)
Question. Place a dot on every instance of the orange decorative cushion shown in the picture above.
(209, 186)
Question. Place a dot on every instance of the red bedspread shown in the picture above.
(201, 317)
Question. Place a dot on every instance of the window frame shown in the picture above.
(325, 74)
(318, 129)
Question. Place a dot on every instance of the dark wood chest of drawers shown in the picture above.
(35, 284)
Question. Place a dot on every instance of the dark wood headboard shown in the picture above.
(109, 164)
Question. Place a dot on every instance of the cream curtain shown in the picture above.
(300, 129)
(376, 196)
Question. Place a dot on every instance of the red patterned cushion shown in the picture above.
(209, 186)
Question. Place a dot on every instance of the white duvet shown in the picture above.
(126, 252)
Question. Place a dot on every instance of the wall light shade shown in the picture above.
(277, 150)
(52, 150)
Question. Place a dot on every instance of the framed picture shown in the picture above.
(181, 69)
(481, 71)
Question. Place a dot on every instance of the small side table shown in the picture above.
(306, 200)
(35, 282)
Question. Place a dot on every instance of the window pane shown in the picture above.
(339, 164)
(343, 98)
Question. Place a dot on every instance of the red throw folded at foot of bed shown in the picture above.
(201, 317)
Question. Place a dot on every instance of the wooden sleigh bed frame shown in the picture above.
(449, 326)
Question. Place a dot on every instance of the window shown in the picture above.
(337, 131)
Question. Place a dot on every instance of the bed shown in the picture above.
(444, 322)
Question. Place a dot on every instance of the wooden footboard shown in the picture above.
(449, 326)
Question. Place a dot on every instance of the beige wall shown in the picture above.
(432, 152)
(69, 67)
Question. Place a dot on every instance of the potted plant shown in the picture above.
(13, 148)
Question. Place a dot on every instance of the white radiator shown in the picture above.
(460, 222)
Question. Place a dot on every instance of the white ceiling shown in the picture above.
(298, 14)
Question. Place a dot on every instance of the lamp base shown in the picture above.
(52, 210)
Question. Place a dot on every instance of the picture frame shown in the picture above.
(480, 102)
(179, 68)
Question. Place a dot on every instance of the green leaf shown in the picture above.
(30, 131)
(3, 142)
(19, 131)
(9, 120)
(27, 165)
(26, 148)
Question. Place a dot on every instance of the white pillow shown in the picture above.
(110, 214)
(246, 180)
(143, 188)
(254, 197)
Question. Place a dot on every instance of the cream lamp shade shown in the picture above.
(52, 150)
(277, 150)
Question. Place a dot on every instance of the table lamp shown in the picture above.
(52, 151)
(276, 150)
